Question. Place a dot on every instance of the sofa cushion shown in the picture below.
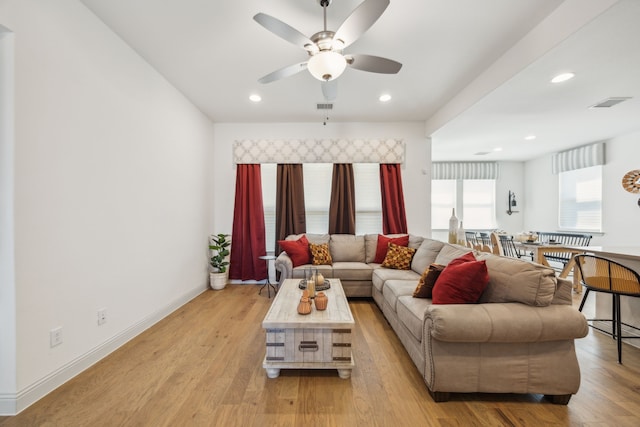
(371, 245)
(410, 312)
(514, 280)
(383, 246)
(381, 275)
(347, 247)
(398, 257)
(427, 281)
(298, 250)
(426, 255)
(415, 241)
(450, 252)
(397, 288)
(461, 282)
(313, 238)
(320, 254)
(352, 270)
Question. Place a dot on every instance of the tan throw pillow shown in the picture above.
(427, 280)
(398, 257)
(320, 254)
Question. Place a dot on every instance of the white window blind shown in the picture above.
(479, 203)
(580, 193)
(443, 200)
(368, 198)
(317, 193)
(473, 199)
(268, 176)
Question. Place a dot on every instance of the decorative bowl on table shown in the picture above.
(323, 287)
(526, 237)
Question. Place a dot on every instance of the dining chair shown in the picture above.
(600, 274)
(472, 239)
(508, 246)
(496, 249)
(485, 242)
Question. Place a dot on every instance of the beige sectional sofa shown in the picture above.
(519, 338)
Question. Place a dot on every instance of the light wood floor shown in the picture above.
(203, 366)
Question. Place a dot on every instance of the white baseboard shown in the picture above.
(12, 404)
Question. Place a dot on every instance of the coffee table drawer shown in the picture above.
(308, 345)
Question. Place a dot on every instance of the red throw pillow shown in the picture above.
(461, 282)
(383, 246)
(298, 250)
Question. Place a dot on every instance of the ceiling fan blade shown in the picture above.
(284, 31)
(373, 64)
(360, 20)
(330, 90)
(283, 72)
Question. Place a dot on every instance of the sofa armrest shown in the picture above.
(503, 322)
(284, 265)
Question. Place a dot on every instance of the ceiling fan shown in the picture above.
(326, 60)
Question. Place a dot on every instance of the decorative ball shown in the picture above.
(319, 280)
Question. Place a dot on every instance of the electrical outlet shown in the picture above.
(55, 336)
(102, 316)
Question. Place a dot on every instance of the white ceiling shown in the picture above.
(476, 72)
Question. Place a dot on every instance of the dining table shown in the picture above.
(539, 249)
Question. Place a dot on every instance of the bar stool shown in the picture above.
(604, 275)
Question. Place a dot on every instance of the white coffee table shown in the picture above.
(320, 340)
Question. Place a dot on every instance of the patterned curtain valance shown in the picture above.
(578, 158)
(465, 170)
(319, 151)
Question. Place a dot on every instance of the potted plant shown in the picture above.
(219, 247)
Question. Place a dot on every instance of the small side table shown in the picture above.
(268, 284)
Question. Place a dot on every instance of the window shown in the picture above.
(580, 204)
(368, 198)
(473, 200)
(268, 174)
(317, 194)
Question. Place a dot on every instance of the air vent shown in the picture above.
(610, 102)
(481, 153)
(325, 106)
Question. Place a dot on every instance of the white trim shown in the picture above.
(11, 404)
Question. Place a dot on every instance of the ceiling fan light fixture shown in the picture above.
(326, 65)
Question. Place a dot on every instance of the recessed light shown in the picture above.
(497, 149)
(255, 98)
(562, 77)
(530, 137)
(385, 98)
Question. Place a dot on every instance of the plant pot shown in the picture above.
(217, 281)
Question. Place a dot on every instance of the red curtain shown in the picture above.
(394, 218)
(248, 236)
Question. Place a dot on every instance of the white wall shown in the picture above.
(112, 192)
(620, 210)
(511, 178)
(7, 273)
(415, 173)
